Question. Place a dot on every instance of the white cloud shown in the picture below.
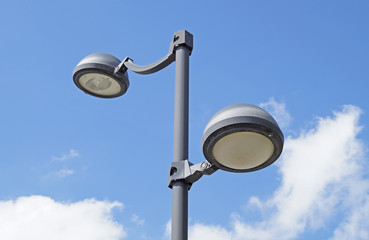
(42, 218)
(200, 231)
(322, 178)
(357, 225)
(278, 111)
(62, 173)
(72, 154)
(168, 227)
(137, 220)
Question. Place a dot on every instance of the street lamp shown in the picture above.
(238, 138)
(95, 75)
(242, 138)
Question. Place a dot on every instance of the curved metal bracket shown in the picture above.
(185, 170)
(151, 68)
(181, 38)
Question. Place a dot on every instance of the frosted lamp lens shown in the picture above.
(243, 150)
(100, 84)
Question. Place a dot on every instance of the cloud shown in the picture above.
(137, 220)
(168, 229)
(321, 178)
(63, 170)
(356, 226)
(62, 173)
(200, 231)
(278, 111)
(72, 154)
(42, 218)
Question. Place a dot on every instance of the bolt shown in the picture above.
(204, 165)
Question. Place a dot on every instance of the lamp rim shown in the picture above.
(121, 79)
(242, 124)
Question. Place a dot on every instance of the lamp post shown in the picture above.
(239, 138)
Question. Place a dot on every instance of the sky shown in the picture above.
(74, 166)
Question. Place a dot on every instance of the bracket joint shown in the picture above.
(190, 173)
(181, 38)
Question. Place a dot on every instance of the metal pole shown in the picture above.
(180, 148)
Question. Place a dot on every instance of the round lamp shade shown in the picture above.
(95, 76)
(242, 138)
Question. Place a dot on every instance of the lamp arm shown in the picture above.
(185, 170)
(180, 38)
(146, 69)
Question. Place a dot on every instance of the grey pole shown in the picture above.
(180, 147)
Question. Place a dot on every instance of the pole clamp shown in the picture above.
(181, 38)
(189, 172)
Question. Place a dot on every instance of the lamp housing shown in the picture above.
(242, 138)
(95, 75)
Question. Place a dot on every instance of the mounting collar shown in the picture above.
(185, 170)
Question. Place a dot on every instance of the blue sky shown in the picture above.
(78, 167)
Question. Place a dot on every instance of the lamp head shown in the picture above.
(242, 138)
(95, 76)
